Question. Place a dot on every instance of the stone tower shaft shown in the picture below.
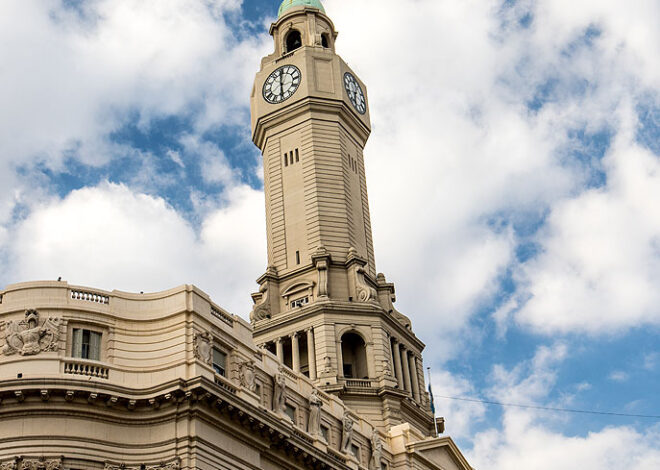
(321, 307)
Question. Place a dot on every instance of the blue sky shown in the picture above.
(513, 174)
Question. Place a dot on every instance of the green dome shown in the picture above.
(286, 4)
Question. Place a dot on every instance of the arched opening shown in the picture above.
(354, 353)
(293, 40)
(325, 42)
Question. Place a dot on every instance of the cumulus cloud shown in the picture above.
(600, 267)
(490, 127)
(527, 440)
(75, 72)
(110, 237)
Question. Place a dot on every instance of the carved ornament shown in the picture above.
(31, 336)
(204, 347)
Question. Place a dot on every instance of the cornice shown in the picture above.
(305, 105)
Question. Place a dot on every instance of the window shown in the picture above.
(325, 432)
(293, 41)
(291, 157)
(356, 451)
(297, 257)
(219, 362)
(300, 302)
(354, 352)
(290, 412)
(324, 40)
(86, 344)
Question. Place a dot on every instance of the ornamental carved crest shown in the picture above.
(31, 336)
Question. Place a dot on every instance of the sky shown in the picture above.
(513, 173)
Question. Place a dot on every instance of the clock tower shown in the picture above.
(321, 307)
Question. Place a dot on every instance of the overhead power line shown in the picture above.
(546, 408)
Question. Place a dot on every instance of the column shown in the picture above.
(406, 369)
(397, 362)
(295, 352)
(279, 349)
(422, 384)
(414, 378)
(340, 360)
(311, 353)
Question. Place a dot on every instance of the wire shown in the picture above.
(547, 408)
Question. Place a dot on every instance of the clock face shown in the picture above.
(355, 93)
(282, 84)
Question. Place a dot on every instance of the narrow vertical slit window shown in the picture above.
(286, 160)
(297, 156)
(297, 257)
(291, 157)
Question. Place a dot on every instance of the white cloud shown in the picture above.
(71, 77)
(110, 237)
(600, 267)
(526, 438)
(618, 376)
(456, 157)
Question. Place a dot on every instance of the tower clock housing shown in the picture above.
(321, 307)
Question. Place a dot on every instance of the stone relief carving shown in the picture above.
(279, 393)
(42, 463)
(347, 434)
(204, 347)
(30, 336)
(314, 423)
(9, 465)
(376, 452)
(327, 365)
(247, 375)
(261, 311)
(365, 293)
(176, 465)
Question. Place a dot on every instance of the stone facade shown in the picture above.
(178, 383)
(327, 374)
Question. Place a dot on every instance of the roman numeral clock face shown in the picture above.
(282, 84)
(355, 93)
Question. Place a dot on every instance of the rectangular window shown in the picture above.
(297, 257)
(219, 362)
(297, 156)
(325, 432)
(356, 451)
(286, 160)
(86, 344)
(300, 302)
(291, 157)
(291, 412)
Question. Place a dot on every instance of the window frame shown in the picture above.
(96, 329)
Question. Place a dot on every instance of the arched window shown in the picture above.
(325, 42)
(354, 353)
(293, 40)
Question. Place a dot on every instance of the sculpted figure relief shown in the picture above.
(347, 434)
(279, 393)
(315, 404)
(204, 347)
(247, 375)
(376, 452)
(28, 337)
